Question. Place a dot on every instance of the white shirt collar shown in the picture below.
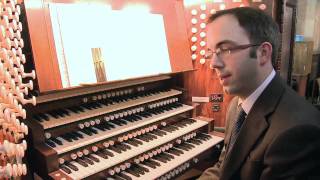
(250, 100)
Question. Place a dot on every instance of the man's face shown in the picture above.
(236, 70)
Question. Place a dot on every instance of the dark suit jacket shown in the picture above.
(280, 139)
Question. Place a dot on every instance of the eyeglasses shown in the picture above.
(223, 52)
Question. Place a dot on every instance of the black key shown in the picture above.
(65, 169)
(56, 141)
(173, 152)
(124, 176)
(108, 152)
(166, 108)
(53, 114)
(186, 146)
(106, 102)
(77, 134)
(108, 178)
(81, 162)
(156, 133)
(137, 169)
(173, 127)
(110, 125)
(145, 137)
(164, 157)
(123, 121)
(64, 111)
(133, 173)
(205, 136)
(93, 106)
(87, 160)
(98, 105)
(178, 150)
(146, 113)
(190, 121)
(141, 167)
(100, 127)
(71, 166)
(182, 147)
(38, 118)
(154, 162)
(181, 125)
(169, 155)
(166, 129)
(141, 138)
(189, 145)
(160, 132)
(136, 117)
(160, 159)
(143, 114)
(44, 116)
(87, 106)
(101, 154)
(73, 109)
(137, 141)
(126, 146)
(86, 132)
(152, 136)
(50, 143)
(128, 118)
(118, 148)
(79, 108)
(160, 110)
(93, 158)
(146, 163)
(59, 112)
(152, 111)
(117, 177)
(193, 141)
(92, 130)
(65, 137)
(132, 118)
(132, 143)
(117, 123)
(72, 136)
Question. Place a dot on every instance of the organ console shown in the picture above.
(132, 129)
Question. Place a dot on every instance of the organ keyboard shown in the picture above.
(142, 130)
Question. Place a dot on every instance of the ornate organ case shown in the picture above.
(139, 128)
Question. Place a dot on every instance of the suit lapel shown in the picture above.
(254, 127)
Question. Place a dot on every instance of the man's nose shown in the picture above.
(216, 62)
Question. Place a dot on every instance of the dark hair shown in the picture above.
(259, 26)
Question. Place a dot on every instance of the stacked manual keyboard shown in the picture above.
(135, 130)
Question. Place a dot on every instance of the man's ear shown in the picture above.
(265, 53)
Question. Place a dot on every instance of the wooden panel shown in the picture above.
(302, 59)
(45, 61)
